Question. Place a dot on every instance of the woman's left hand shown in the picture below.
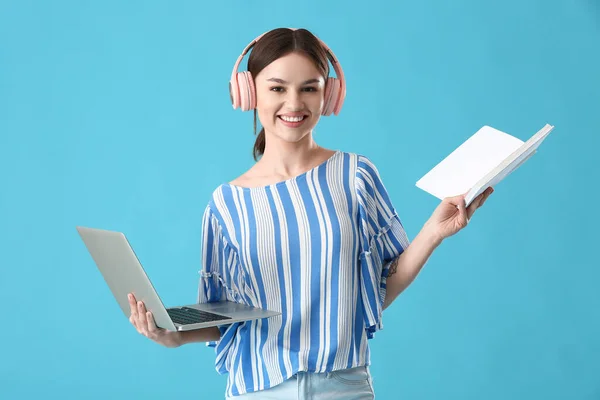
(451, 215)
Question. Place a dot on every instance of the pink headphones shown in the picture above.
(243, 92)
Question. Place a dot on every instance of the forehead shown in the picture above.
(293, 67)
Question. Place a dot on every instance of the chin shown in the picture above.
(291, 137)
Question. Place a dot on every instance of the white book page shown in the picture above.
(469, 163)
(509, 164)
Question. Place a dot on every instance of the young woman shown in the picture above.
(307, 231)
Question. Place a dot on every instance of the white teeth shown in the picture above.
(292, 119)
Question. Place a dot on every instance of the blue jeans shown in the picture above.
(348, 384)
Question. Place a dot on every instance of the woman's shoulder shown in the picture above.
(249, 178)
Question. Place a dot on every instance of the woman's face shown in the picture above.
(289, 97)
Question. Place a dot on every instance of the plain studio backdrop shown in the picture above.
(117, 115)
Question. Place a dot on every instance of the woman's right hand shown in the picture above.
(143, 321)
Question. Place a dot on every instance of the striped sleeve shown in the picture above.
(383, 238)
(217, 262)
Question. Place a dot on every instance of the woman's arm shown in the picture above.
(449, 217)
(404, 269)
(199, 335)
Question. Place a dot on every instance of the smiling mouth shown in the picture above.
(294, 119)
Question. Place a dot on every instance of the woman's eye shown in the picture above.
(306, 89)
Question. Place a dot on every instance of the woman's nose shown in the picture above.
(294, 100)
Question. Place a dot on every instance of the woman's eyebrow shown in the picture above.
(285, 82)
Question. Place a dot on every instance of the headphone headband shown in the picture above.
(340, 93)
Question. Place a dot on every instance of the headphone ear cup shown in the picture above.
(234, 93)
(243, 90)
(332, 90)
(327, 97)
(251, 91)
(247, 91)
(338, 98)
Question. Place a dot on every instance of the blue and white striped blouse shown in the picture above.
(316, 248)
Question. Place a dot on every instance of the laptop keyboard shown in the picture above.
(187, 315)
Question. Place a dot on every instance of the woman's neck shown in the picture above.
(285, 159)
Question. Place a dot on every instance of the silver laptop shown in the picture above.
(124, 274)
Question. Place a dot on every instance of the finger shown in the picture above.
(133, 310)
(475, 204)
(132, 303)
(457, 200)
(489, 192)
(133, 322)
(482, 198)
(462, 212)
(143, 323)
(152, 328)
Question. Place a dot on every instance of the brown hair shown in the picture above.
(278, 43)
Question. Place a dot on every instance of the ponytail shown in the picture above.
(259, 144)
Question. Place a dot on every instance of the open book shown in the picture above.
(483, 160)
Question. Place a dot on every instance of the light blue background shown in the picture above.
(115, 114)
